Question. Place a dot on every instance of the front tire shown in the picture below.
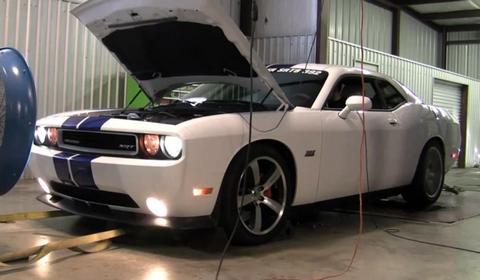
(428, 181)
(262, 205)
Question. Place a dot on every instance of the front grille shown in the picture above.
(94, 196)
(98, 142)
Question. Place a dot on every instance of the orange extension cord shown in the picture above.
(361, 185)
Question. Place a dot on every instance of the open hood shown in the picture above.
(163, 43)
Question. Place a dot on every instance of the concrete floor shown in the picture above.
(317, 248)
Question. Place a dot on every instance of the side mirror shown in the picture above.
(355, 103)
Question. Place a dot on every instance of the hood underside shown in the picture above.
(170, 42)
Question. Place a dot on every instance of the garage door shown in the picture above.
(449, 96)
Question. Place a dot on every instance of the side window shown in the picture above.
(302, 93)
(392, 97)
(353, 86)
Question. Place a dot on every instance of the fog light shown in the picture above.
(44, 185)
(157, 207)
(161, 222)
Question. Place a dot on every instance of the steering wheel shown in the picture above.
(18, 111)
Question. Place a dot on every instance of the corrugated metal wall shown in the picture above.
(345, 24)
(285, 31)
(72, 69)
(464, 59)
(286, 49)
(417, 76)
(286, 17)
(419, 42)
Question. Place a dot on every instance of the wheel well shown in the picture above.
(439, 143)
(283, 150)
(436, 141)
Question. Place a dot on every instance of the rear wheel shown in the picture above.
(262, 204)
(428, 181)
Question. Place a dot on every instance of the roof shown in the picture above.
(339, 69)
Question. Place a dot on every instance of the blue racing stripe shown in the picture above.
(60, 162)
(82, 171)
(93, 123)
(72, 122)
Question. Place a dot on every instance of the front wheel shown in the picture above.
(428, 181)
(258, 196)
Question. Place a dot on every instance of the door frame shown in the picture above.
(462, 157)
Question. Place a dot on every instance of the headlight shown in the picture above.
(47, 136)
(151, 143)
(41, 135)
(172, 146)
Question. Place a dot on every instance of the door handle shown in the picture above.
(393, 121)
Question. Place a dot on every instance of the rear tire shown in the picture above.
(266, 200)
(428, 181)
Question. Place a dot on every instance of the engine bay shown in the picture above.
(180, 111)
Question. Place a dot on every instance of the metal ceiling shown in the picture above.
(452, 15)
(441, 15)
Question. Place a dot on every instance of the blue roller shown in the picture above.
(18, 111)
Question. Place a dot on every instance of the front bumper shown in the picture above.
(102, 212)
(124, 184)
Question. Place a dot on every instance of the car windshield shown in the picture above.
(301, 89)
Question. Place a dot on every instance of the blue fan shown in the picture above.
(18, 111)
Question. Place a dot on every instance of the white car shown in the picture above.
(183, 164)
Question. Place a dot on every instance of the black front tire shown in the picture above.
(268, 195)
(427, 184)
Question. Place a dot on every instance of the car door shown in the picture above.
(341, 140)
(387, 138)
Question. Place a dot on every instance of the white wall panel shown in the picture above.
(418, 77)
(345, 23)
(418, 41)
(464, 59)
(463, 35)
(286, 49)
(286, 18)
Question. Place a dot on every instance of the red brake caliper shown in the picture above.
(268, 193)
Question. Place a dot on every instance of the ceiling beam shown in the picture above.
(464, 42)
(451, 15)
(420, 17)
(388, 4)
(419, 2)
(463, 27)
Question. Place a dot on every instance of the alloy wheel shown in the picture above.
(262, 200)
